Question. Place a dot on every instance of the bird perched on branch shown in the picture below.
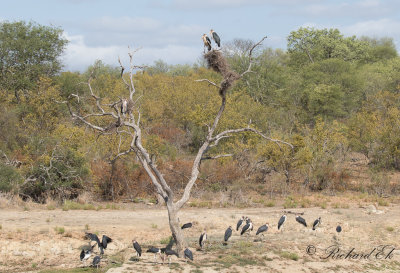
(124, 107)
(207, 42)
(301, 220)
(137, 247)
(215, 37)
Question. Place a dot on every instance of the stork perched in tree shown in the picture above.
(169, 252)
(155, 251)
(301, 220)
(262, 229)
(282, 220)
(247, 228)
(188, 254)
(137, 247)
(96, 262)
(240, 222)
(228, 234)
(124, 107)
(187, 225)
(207, 42)
(203, 239)
(316, 223)
(215, 37)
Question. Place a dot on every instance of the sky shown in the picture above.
(171, 30)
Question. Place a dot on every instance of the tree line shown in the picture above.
(332, 97)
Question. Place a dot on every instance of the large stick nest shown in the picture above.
(218, 63)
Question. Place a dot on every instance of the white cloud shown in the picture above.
(78, 55)
(378, 28)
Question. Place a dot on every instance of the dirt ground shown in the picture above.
(33, 240)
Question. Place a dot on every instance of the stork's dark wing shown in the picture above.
(105, 240)
(281, 221)
(201, 239)
(216, 39)
(263, 228)
(82, 254)
(245, 228)
(239, 223)
(188, 254)
(338, 229)
(187, 225)
(301, 220)
(315, 224)
(153, 250)
(138, 249)
(228, 234)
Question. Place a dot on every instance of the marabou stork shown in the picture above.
(105, 240)
(207, 42)
(228, 234)
(86, 253)
(215, 37)
(262, 229)
(169, 252)
(187, 225)
(239, 223)
(137, 247)
(124, 107)
(301, 220)
(316, 223)
(247, 228)
(203, 239)
(188, 254)
(155, 251)
(96, 261)
(282, 220)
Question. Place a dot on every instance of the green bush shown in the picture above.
(9, 178)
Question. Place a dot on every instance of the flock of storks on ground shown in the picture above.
(244, 223)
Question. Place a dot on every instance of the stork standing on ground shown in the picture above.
(155, 251)
(215, 37)
(262, 229)
(338, 229)
(247, 228)
(239, 223)
(281, 221)
(137, 247)
(188, 254)
(96, 262)
(228, 234)
(169, 252)
(316, 223)
(105, 240)
(86, 253)
(203, 239)
(301, 220)
(207, 42)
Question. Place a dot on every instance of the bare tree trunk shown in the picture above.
(175, 228)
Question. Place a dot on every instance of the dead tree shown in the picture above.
(130, 126)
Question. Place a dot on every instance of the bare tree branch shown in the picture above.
(251, 57)
(210, 82)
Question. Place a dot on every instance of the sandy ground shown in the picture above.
(29, 241)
